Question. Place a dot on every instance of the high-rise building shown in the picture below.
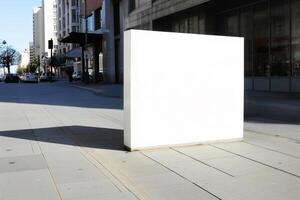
(50, 27)
(31, 52)
(25, 58)
(38, 32)
(67, 21)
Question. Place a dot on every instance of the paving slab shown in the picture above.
(279, 144)
(87, 189)
(286, 163)
(28, 185)
(22, 163)
(15, 150)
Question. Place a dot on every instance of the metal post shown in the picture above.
(51, 66)
(44, 62)
(50, 46)
(82, 64)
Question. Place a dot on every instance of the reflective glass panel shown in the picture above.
(246, 31)
(261, 40)
(296, 37)
(280, 31)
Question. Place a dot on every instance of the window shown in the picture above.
(64, 23)
(74, 28)
(90, 24)
(202, 26)
(280, 52)
(74, 16)
(117, 19)
(261, 40)
(295, 37)
(97, 19)
(229, 24)
(193, 24)
(175, 26)
(183, 25)
(246, 30)
(132, 5)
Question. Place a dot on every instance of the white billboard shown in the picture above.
(182, 88)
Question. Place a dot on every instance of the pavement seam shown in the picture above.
(206, 164)
(275, 136)
(123, 179)
(38, 143)
(88, 157)
(259, 162)
(269, 149)
(97, 165)
(84, 153)
(178, 174)
(107, 169)
(69, 133)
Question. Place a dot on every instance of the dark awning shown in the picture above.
(79, 38)
(74, 53)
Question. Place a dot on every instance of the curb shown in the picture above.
(100, 92)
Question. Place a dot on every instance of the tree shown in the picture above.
(20, 70)
(8, 56)
(33, 66)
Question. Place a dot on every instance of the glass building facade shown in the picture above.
(271, 29)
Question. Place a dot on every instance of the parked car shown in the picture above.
(45, 77)
(11, 78)
(76, 76)
(30, 78)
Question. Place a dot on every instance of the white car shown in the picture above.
(76, 76)
(30, 78)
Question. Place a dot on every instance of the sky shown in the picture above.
(16, 22)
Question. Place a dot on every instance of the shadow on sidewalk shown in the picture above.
(92, 137)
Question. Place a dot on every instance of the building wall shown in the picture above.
(25, 58)
(140, 18)
(271, 61)
(50, 31)
(108, 42)
(149, 10)
(38, 32)
(32, 55)
(68, 21)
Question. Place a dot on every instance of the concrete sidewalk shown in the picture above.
(69, 146)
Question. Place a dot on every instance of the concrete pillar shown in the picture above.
(109, 43)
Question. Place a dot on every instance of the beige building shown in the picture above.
(38, 32)
(68, 21)
(25, 58)
(50, 25)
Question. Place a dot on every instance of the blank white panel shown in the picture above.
(182, 88)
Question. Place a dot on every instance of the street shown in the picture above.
(63, 143)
